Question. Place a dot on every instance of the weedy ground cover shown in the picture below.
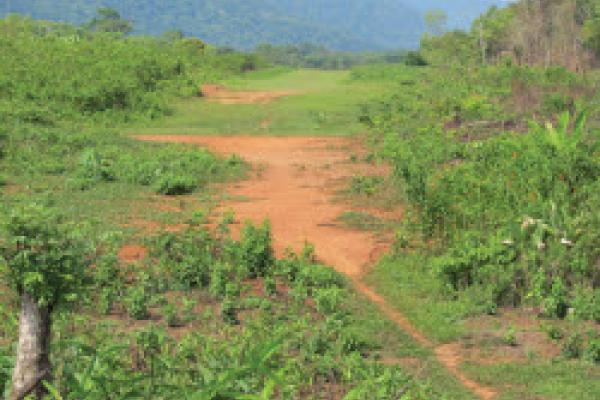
(203, 315)
(245, 324)
(499, 165)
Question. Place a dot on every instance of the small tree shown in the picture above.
(44, 262)
(109, 20)
(436, 21)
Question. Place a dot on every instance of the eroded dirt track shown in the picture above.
(222, 95)
(294, 185)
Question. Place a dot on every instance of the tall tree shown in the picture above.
(44, 262)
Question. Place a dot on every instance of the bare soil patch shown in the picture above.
(132, 253)
(294, 186)
(221, 94)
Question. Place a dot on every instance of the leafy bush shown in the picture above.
(136, 302)
(255, 252)
(592, 350)
(173, 185)
(170, 315)
(6, 364)
(573, 346)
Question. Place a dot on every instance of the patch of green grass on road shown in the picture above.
(326, 103)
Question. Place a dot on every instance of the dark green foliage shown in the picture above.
(256, 254)
(592, 350)
(272, 345)
(136, 302)
(513, 212)
(109, 20)
(103, 77)
(188, 260)
(270, 286)
(93, 169)
(573, 346)
(170, 314)
(6, 365)
(42, 255)
(315, 56)
(169, 170)
(415, 59)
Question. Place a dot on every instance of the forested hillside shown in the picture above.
(363, 25)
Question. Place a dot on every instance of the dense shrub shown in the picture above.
(511, 212)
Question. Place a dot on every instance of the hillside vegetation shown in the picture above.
(364, 25)
(497, 156)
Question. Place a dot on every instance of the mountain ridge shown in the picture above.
(243, 24)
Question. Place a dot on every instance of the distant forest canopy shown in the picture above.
(314, 56)
(527, 32)
(356, 25)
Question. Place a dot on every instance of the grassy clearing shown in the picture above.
(549, 380)
(393, 346)
(114, 184)
(409, 286)
(327, 103)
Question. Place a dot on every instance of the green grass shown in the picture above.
(326, 103)
(362, 221)
(408, 285)
(393, 343)
(124, 206)
(549, 380)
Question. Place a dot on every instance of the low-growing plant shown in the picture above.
(270, 286)
(367, 185)
(170, 315)
(256, 252)
(229, 310)
(554, 332)
(592, 350)
(189, 306)
(573, 345)
(106, 300)
(510, 336)
(329, 299)
(136, 302)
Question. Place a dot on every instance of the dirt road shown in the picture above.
(294, 185)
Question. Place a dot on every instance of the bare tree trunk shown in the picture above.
(33, 362)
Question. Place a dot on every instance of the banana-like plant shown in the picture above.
(559, 136)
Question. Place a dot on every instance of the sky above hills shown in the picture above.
(337, 24)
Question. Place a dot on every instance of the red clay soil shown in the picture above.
(294, 187)
(132, 253)
(220, 94)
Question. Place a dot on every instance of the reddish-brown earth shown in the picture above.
(295, 182)
(220, 94)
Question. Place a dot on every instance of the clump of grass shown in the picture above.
(362, 221)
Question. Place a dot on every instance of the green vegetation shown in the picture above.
(243, 341)
(202, 315)
(128, 288)
(246, 24)
(313, 56)
(498, 163)
(320, 103)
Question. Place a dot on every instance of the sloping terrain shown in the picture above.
(360, 25)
